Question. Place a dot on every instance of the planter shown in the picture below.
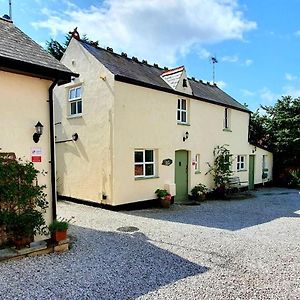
(59, 235)
(22, 241)
(165, 203)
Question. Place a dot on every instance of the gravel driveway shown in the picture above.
(241, 249)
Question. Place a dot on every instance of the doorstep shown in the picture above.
(35, 249)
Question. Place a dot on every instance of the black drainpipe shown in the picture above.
(52, 150)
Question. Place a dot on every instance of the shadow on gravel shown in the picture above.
(100, 265)
(268, 205)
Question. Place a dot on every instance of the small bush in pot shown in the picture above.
(199, 192)
(58, 229)
(164, 197)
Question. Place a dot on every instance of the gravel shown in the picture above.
(241, 249)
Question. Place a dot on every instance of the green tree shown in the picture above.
(278, 129)
(57, 49)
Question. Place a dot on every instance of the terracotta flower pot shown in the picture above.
(166, 202)
(22, 241)
(59, 235)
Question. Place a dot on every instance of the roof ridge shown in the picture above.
(123, 55)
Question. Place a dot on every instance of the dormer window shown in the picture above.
(184, 83)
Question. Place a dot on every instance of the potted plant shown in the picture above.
(199, 192)
(58, 229)
(164, 197)
(23, 202)
(221, 169)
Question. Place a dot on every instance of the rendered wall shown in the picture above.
(84, 166)
(23, 104)
(146, 119)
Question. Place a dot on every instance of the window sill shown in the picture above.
(227, 129)
(197, 172)
(184, 124)
(75, 116)
(241, 170)
(145, 178)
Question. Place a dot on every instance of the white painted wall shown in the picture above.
(118, 118)
(24, 103)
(84, 167)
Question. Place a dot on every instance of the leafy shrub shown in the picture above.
(199, 190)
(22, 201)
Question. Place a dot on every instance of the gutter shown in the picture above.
(52, 150)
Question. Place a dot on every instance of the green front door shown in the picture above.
(181, 175)
(251, 172)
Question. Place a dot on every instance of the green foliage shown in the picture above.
(22, 201)
(294, 180)
(278, 129)
(161, 194)
(59, 225)
(57, 49)
(221, 168)
(199, 190)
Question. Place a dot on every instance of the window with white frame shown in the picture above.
(182, 113)
(264, 162)
(241, 163)
(75, 101)
(144, 163)
(227, 118)
(197, 163)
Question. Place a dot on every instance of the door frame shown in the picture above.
(251, 175)
(187, 152)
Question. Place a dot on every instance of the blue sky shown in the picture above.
(256, 42)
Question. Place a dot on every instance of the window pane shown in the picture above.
(178, 104)
(138, 170)
(72, 94)
(183, 116)
(178, 115)
(79, 107)
(242, 158)
(73, 108)
(183, 104)
(138, 156)
(78, 92)
(149, 156)
(149, 169)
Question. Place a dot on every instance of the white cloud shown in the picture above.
(248, 62)
(232, 58)
(290, 90)
(221, 84)
(247, 93)
(156, 30)
(204, 54)
(268, 96)
(290, 77)
(297, 33)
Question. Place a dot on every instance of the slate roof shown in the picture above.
(141, 73)
(20, 50)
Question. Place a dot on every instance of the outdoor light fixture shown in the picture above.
(38, 131)
(186, 136)
(75, 137)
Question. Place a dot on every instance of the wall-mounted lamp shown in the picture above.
(38, 131)
(75, 137)
(185, 136)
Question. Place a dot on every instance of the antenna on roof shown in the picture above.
(213, 60)
(10, 13)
